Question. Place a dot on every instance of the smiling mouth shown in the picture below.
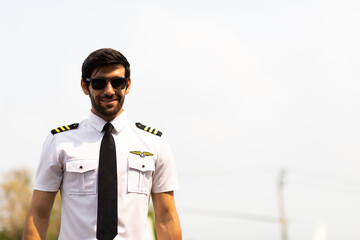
(108, 100)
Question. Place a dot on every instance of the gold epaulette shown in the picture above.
(64, 128)
(149, 129)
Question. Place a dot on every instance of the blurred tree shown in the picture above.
(55, 219)
(15, 196)
(151, 215)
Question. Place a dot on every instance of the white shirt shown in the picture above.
(69, 162)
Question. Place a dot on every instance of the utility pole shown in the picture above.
(282, 218)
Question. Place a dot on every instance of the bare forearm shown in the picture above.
(167, 221)
(38, 218)
(35, 228)
(170, 229)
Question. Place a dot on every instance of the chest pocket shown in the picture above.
(80, 177)
(140, 172)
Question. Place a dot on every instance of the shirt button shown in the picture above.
(143, 166)
(81, 167)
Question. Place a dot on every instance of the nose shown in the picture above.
(109, 89)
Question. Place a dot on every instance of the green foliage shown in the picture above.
(55, 220)
(6, 235)
(151, 214)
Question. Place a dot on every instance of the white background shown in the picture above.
(242, 89)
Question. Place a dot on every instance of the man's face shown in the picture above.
(107, 103)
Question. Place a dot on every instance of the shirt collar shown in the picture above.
(98, 123)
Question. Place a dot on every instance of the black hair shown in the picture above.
(103, 57)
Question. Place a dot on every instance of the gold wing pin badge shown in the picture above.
(142, 154)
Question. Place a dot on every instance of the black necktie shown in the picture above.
(107, 188)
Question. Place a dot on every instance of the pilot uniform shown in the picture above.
(69, 162)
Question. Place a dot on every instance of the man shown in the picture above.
(106, 167)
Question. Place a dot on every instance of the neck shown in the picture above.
(107, 118)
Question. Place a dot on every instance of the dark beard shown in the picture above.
(104, 111)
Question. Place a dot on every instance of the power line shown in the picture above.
(267, 170)
(333, 178)
(230, 214)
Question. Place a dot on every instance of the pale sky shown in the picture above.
(241, 89)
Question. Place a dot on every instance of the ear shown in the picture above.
(127, 90)
(84, 87)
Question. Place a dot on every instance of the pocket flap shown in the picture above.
(81, 166)
(142, 164)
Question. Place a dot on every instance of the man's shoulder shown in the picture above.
(71, 128)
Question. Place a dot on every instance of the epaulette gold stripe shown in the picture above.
(148, 129)
(64, 128)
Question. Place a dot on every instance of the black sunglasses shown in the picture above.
(100, 83)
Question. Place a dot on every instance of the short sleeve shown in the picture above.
(49, 173)
(165, 177)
